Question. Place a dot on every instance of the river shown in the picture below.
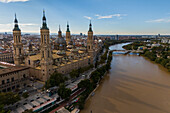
(133, 85)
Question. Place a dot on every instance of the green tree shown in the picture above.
(64, 92)
(8, 98)
(150, 55)
(164, 62)
(158, 60)
(55, 80)
(74, 73)
(81, 102)
(2, 108)
(84, 83)
(25, 95)
(95, 76)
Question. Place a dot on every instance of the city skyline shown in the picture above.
(114, 17)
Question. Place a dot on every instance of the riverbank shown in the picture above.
(93, 92)
(158, 54)
(93, 82)
(133, 85)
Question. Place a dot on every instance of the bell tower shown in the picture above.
(46, 54)
(90, 42)
(18, 46)
(68, 36)
(59, 32)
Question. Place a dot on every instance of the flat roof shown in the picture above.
(28, 106)
(41, 100)
(35, 103)
(46, 97)
(63, 110)
(35, 57)
(12, 69)
(55, 56)
(20, 110)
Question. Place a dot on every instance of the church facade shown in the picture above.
(63, 57)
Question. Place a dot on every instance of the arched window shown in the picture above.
(20, 51)
(29, 62)
(19, 39)
(42, 54)
(48, 53)
(45, 39)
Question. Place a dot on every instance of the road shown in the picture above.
(66, 102)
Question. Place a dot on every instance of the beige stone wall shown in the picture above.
(6, 57)
(66, 69)
(20, 80)
(35, 73)
(29, 62)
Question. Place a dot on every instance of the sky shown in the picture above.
(109, 17)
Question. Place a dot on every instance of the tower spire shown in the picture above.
(15, 21)
(68, 30)
(44, 25)
(90, 26)
(43, 12)
(59, 29)
(59, 32)
(16, 27)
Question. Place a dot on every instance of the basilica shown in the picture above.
(63, 57)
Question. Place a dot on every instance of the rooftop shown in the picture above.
(12, 69)
(35, 57)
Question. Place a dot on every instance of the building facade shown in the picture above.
(13, 77)
(7, 57)
(63, 58)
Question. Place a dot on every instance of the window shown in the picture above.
(42, 54)
(18, 38)
(8, 89)
(4, 90)
(29, 62)
(24, 76)
(7, 80)
(44, 39)
(13, 87)
(48, 53)
(12, 79)
(3, 82)
(20, 51)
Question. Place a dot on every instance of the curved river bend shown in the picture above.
(133, 85)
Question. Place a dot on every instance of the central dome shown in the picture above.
(60, 41)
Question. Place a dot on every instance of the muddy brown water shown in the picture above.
(133, 85)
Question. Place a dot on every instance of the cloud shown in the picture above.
(25, 27)
(28, 24)
(162, 20)
(8, 1)
(110, 16)
(88, 17)
(21, 24)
